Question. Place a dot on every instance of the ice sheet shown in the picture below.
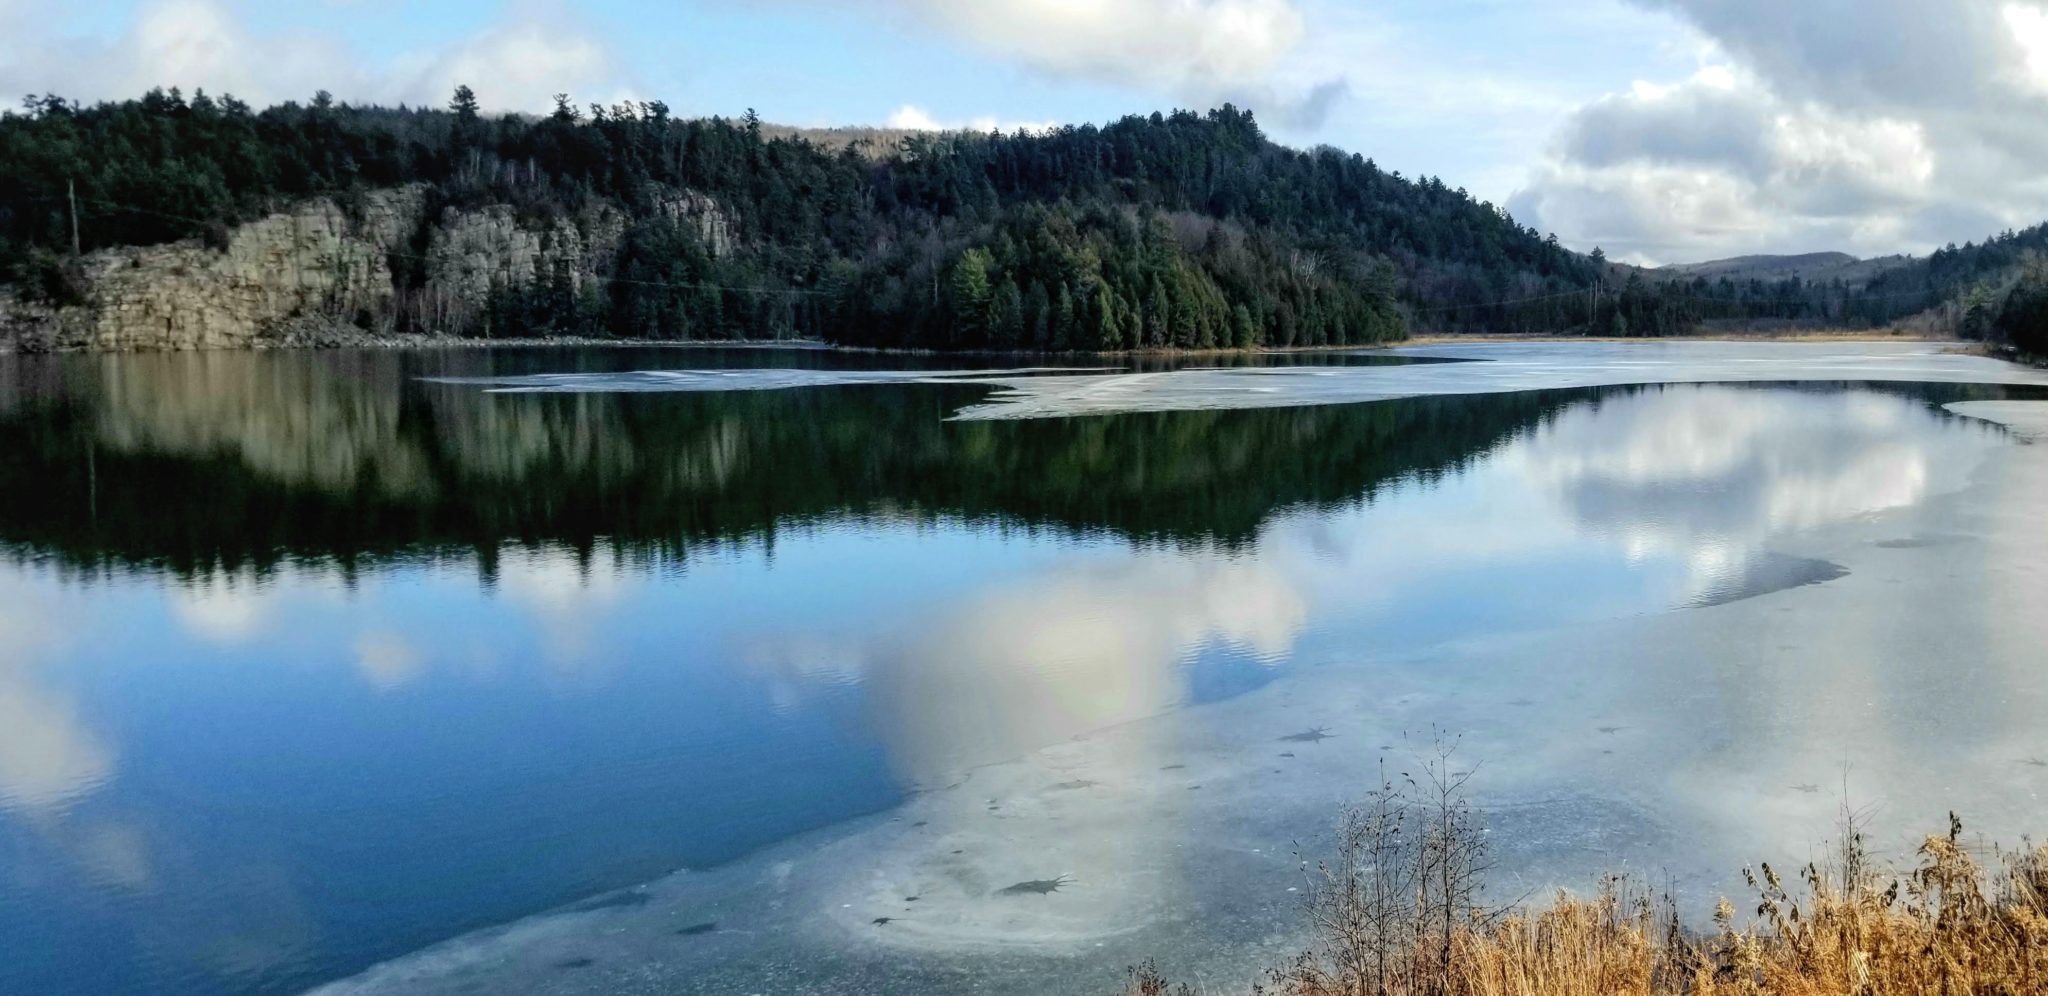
(1677, 745)
(1498, 367)
(1052, 392)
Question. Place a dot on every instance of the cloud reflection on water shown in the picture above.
(222, 609)
(49, 756)
(1711, 475)
(1692, 484)
(1030, 661)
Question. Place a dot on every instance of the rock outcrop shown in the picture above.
(322, 273)
(312, 260)
(473, 254)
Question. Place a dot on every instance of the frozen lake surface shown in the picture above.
(343, 670)
(1479, 368)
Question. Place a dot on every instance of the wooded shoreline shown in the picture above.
(372, 341)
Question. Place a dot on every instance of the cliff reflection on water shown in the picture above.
(311, 662)
(234, 460)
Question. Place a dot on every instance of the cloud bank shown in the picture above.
(915, 118)
(515, 65)
(1872, 127)
(1202, 52)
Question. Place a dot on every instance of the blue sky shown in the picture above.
(1660, 129)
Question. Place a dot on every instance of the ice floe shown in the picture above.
(1053, 391)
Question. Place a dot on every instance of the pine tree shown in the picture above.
(1037, 316)
(1063, 319)
(971, 296)
(1108, 330)
(1158, 315)
(1244, 334)
(463, 103)
(1007, 324)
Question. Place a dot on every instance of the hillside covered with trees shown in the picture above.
(1955, 290)
(1179, 230)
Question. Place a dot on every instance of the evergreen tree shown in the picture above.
(971, 297)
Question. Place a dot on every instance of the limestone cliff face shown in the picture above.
(713, 226)
(473, 253)
(312, 260)
(322, 273)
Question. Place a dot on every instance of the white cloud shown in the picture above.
(915, 118)
(1162, 43)
(516, 65)
(1718, 165)
(2029, 27)
(1204, 52)
(191, 44)
(185, 39)
(1874, 54)
(1870, 127)
(521, 67)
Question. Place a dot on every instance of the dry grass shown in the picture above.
(1953, 925)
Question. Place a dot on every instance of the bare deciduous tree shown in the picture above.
(1402, 884)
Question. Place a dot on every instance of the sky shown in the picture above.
(1660, 130)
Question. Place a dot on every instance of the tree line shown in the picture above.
(1180, 230)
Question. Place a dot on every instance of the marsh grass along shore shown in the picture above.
(1397, 911)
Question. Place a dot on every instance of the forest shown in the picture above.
(1184, 230)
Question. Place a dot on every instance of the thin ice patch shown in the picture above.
(754, 379)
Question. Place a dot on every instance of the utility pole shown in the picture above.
(71, 194)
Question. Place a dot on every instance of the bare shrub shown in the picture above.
(1396, 912)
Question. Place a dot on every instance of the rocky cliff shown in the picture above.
(328, 273)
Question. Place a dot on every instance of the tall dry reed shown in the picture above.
(1394, 913)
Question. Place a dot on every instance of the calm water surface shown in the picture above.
(307, 663)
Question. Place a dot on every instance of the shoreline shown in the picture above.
(374, 342)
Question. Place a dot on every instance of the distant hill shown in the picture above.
(1812, 266)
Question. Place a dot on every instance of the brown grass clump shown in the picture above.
(1394, 914)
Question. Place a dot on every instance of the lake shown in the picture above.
(674, 670)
